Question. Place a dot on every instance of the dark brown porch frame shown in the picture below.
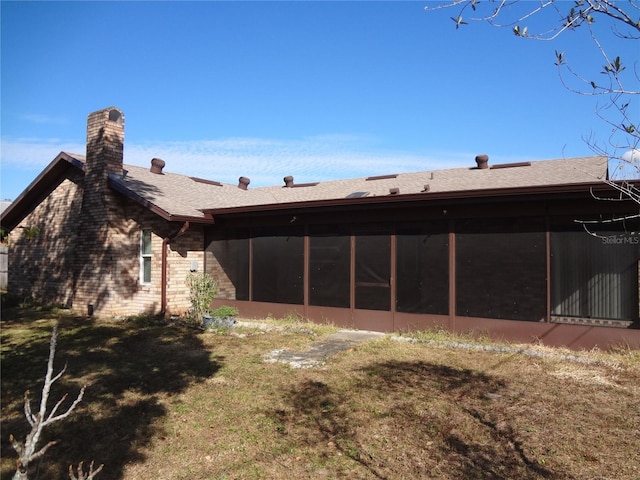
(541, 204)
(452, 276)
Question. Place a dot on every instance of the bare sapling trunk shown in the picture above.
(28, 450)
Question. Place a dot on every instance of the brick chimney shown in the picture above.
(96, 271)
(105, 143)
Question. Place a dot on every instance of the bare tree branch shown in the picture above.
(580, 13)
(43, 450)
(84, 476)
(27, 409)
(619, 85)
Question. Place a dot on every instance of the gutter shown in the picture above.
(428, 196)
(163, 283)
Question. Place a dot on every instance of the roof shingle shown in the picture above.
(180, 195)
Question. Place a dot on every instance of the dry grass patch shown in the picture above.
(175, 403)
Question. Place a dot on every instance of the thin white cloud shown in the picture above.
(40, 118)
(268, 161)
(264, 161)
(29, 153)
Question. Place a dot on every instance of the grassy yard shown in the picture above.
(171, 402)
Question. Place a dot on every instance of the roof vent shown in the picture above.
(156, 166)
(288, 181)
(243, 183)
(426, 188)
(482, 161)
(394, 191)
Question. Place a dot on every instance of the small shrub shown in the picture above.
(202, 291)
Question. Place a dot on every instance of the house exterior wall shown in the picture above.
(42, 264)
(185, 252)
(214, 258)
(80, 246)
(129, 296)
(42, 246)
(121, 292)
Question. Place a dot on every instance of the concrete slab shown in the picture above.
(318, 352)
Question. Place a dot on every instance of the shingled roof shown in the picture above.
(178, 197)
(174, 195)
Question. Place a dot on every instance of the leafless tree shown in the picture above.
(28, 450)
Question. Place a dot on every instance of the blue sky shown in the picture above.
(317, 90)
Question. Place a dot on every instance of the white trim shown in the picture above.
(144, 256)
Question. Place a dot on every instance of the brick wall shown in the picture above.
(41, 266)
(220, 266)
(182, 252)
(42, 245)
(130, 296)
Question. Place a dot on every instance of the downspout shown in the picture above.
(165, 243)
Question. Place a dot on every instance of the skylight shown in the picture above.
(382, 177)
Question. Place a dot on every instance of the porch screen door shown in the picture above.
(373, 272)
